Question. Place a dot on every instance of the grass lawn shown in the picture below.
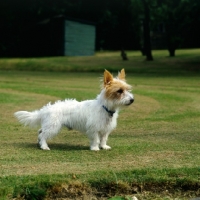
(155, 147)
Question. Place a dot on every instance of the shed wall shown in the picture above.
(79, 39)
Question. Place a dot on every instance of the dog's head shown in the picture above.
(116, 89)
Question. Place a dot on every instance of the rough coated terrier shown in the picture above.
(96, 118)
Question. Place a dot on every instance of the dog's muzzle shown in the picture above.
(130, 102)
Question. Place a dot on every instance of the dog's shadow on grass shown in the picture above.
(67, 147)
(53, 146)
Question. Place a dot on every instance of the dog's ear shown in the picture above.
(107, 78)
(121, 75)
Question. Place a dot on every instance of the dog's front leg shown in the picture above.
(103, 142)
(94, 141)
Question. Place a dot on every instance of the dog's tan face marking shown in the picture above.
(115, 87)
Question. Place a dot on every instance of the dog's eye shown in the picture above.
(120, 91)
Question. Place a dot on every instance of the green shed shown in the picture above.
(60, 36)
(79, 38)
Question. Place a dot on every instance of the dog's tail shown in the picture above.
(31, 119)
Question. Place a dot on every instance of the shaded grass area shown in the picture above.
(185, 62)
(155, 148)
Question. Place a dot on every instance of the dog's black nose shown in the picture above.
(132, 100)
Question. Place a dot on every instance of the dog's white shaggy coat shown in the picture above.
(96, 118)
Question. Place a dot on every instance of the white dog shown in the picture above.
(96, 118)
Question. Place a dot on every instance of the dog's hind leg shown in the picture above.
(45, 134)
(42, 140)
(39, 132)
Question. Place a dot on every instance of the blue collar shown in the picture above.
(110, 112)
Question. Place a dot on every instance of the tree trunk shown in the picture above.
(147, 38)
(173, 42)
(171, 52)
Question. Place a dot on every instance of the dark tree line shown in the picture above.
(120, 24)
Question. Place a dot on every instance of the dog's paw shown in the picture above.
(94, 148)
(44, 148)
(106, 147)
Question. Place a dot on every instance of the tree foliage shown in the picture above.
(118, 23)
(176, 16)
